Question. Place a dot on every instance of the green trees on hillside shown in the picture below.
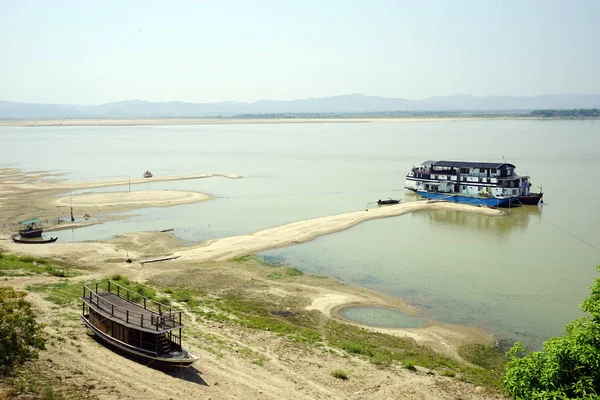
(20, 335)
(575, 113)
(568, 367)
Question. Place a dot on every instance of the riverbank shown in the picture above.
(243, 120)
(26, 195)
(253, 329)
(229, 302)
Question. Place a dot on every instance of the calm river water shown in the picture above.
(520, 277)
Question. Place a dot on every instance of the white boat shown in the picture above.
(479, 183)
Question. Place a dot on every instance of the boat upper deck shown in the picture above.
(130, 309)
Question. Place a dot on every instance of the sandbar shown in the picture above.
(147, 198)
(222, 249)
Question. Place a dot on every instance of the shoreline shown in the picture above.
(327, 296)
(258, 120)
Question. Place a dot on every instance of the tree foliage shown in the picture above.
(568, 367)
(574, 113)
(21, 336)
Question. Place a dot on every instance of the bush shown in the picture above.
(567, 367)
(21, 337)
(340, 374)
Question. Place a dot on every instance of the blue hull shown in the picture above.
(478, 201)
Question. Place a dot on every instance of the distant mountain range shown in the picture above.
(345, 104)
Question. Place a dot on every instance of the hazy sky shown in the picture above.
(89, 52)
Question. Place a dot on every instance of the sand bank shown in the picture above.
(303, 231)
(213, 121)
(66, 185)
(33, 194)
(148, 198)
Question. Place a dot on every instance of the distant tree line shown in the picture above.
(575, 113)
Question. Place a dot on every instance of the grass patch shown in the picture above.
(182, 295)
(340, 374)
(62, 293)
(13, 265)
(242, 259)
(410, 365)
(488, 357)
(283, 272)
(449, 373)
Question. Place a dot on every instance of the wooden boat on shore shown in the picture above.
(31, 228)
(386, 202)
(135, 325)
(39, 240)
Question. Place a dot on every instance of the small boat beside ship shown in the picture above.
(31, 228)
(479, 183)
(387, 202)
(135, 325)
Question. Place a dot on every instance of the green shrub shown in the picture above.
(567, 367)
(340, 374)
(21, 337)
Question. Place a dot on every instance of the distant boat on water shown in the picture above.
(387, 202)
(147, 174)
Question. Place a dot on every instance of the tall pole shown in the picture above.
(71, 199)
(130, 185)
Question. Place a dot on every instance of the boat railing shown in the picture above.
(159, 316)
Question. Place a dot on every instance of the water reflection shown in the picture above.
(517, 220)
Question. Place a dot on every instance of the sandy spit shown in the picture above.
(303, 231)
(66, 185)
(138, 199)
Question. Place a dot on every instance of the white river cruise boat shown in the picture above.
(478, 183)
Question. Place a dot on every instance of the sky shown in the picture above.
(93, 52)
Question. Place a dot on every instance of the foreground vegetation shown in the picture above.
(568, 367)
(13, 265)
(287, 318)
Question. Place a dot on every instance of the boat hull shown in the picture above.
(139, 354)
(531, 199)
(387, 202)
(31, 233)
(477, 201)
(34, 241)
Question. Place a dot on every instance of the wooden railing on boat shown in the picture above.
(157, 316)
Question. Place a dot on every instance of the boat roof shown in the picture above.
(31, 221)
(472, 164)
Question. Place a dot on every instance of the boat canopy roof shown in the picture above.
(30, 221)
(471, 164)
